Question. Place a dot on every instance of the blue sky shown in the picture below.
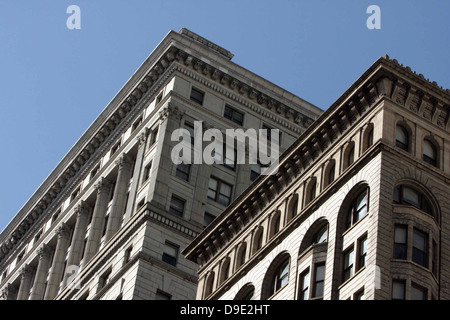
(54, 81)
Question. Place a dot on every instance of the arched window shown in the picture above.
(281, 276)
(209, 284)
(225, 270)
(368, 141)
(275, 224)
(402, 137)
(277, 275)
(407, 195)
(257, 240)
(241, 255)
(430, 152)
(358, 209)
(330, 173)
(292, 207)
(349, 155)
(247, 292)
(321, 236)
(311, 190)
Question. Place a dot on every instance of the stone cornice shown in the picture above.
(377, 83)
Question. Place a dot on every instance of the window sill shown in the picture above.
(351, 278)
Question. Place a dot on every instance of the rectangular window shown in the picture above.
(319, 278)
(170, 253)
(104, 279)
(362, 252)
(95, 171)
(219, 191)
(136, 124)
(348, 264)
(115, 148)
(20, 256)
(304, 285)
(359, 295)
(159, 98)
(160, 295)
(154, 136)
(75, 193)
(177, 206)
(418, 293)
(183, 171)
(233, 115)
(420, 248)
(197, 96)
(190, 128)
(208, 218)
(398, 290)
(400, 241)
(147, 171)
(56, 215)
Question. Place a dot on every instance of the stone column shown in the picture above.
(119, 198)
(9, 292)
(98, 216)
(79, 232)
(57, 268)
(25, 282)
(45, 254)
(136, 176)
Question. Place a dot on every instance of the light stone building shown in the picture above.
(359, 208)
(111, 220)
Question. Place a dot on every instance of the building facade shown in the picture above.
(112, 218)
(359, 207)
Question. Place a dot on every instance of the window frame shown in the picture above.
(200, 99)
(173, 209)
(230, 112)
(217, 191)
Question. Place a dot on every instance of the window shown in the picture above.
(420, 248)
(170, 253)
(233, 115)
(56, 215)
(105, 224)
(104, 279)
(304, 285)
(281, 277)
(183, 170)
(321, 236)
(190, 128)
(20, 256)
(219, 191)
(95, 171)
(208, 218)
(136, 124)
(359, 295)
(127, 255)
(350, 155)
(177, 206)
(418, 293)
(147, 171)
(398, 290)
(75, 193)
(115, 148)
(255, 171)
(38, 235)
(197, 96)
(400, 242)
(362, 252)
(160, 295)
(358, 209)
(409, 196)
(159, 98)
(348, 264)
(429, 152)
(401, 138)
(319, 278)
(154, 136)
